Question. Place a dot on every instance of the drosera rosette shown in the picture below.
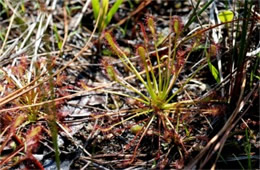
(26, 115)
(160, 113)
(18, 141)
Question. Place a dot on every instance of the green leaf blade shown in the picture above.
(214, 71)
(96, 7)
(112, 11)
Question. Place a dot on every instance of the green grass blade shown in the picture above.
(57, 36)
(212, 68)
(194, 15)
(95, 7)
(243, 42)
(103, 13)
(112, 11)
(213, 71)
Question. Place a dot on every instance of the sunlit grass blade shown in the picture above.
(112, 11)
(95, 7)
(212, 68)
(103, 13)
(214, 71)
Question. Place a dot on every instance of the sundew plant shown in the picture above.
(159, 74)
